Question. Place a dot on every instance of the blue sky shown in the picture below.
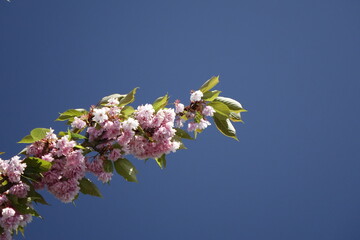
(295, 66)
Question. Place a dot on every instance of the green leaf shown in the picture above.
(160, 102)
(232, 104)
(129, 98)
(71, 113)
(161, 161)
(108, 166)
(4, 183)
(211, 95)
(220, 108)
(21, 206)
(37, 164)
(127, 111)
(235, 117)
(126, 169)
(88, 187)
(27, 139)
(209, 84)
(39, 133)
(21, 230)
(105, 100)
(80, 147)
(76, 136)
(182, 146)
(36, 197)
(224, 125)
(183, 134)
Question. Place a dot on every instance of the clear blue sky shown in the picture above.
(295, 65)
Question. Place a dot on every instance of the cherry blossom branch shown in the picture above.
(97, 142)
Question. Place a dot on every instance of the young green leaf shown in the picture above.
(27, 139)
(224, 125)
(232, 104)
(76, 136)
(126, 169)
(209, 84)
(211, 95)
(39, 133)
(71, 113)
(36, 165)
(220, 108)
(127, 111)
(129, 98)
(161, 161)
(88, 187)
(79, 147)
(160, 102)
(183, 134)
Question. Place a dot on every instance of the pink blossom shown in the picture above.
(48, 157)
(114, 111)
(6, 236)
(50, 135)
(94, 133)
(144, 114)
(14, 169)
(11, 223)
(105, 177)
(96, 167)
(78, 123)
(164, 133)
(65, 146)
(66, 190)
(27, 218)
(203, 124)
(50, 177)
(158, 119)
(179, 107)
(111, 129)
(208, 111)
(169, 116)
(3, 199)
(115, 154)
(35, 148)
(196, 96)
(20, 190)
(100, 115)
(179, 122)
(7, 212)
(192, 126)
(125, 137)
(75, 165)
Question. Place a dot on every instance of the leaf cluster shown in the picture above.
(227, 110)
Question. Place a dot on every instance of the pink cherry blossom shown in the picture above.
(20, 190)
(196, 96)
(78, 123)
(100, 114)
(208, 111)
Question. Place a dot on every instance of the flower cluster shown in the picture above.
(68, 165)
(11, 219)
(197, 112)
